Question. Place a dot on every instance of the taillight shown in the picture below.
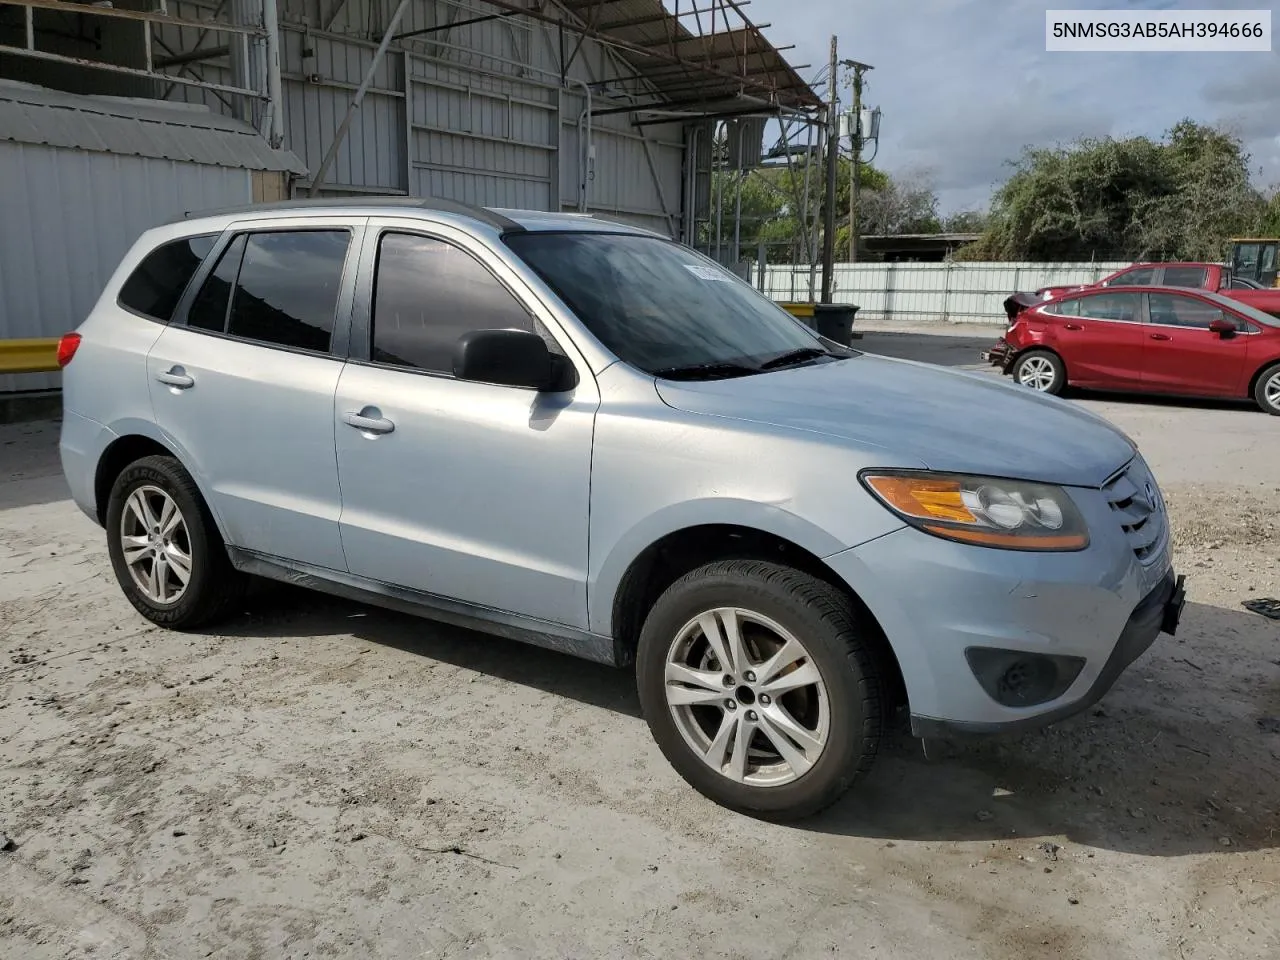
(67, 348)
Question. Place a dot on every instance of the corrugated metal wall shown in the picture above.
(55, 257)
(951, 292)
(475, 113)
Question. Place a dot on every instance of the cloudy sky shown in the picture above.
(964, 84)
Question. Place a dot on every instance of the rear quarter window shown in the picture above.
(156, 285)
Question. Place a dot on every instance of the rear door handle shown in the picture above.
(172, 378)
(368, 424)
(1161, 336)
(1073, 326)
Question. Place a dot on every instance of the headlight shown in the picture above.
(989, 512)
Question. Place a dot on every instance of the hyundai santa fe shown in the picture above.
(582, 435)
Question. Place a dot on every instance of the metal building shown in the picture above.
(604, 106)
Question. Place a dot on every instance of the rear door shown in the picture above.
(1182, 355)
(242, 383)
(1100, 339)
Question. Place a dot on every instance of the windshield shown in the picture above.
(663, 308)
(1252, 312)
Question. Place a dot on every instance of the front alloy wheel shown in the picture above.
(746, 697)
(761, 685)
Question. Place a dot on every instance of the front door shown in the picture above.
(242, 384)
(1182, 355)
(468, 491)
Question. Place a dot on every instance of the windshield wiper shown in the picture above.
(794, 356)
(706, 371)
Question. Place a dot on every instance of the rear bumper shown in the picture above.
(1158, 612)
(999, 355)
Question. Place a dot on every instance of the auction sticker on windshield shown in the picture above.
(706, 273)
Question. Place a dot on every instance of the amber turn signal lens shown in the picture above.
(923, 498)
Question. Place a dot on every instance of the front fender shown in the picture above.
(605, 578)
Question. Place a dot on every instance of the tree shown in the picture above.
(905, 205)
(965, 221)
(773, 199)
(1181, 197)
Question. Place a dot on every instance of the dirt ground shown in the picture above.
(327, 780)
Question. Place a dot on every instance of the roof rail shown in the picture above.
(495, 220)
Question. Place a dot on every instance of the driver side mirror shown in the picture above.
(511, 358)
(1222, 327)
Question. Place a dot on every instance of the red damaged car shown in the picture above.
(1211, 277)
(1164, 340)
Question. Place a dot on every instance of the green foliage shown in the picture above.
(773, 200)
(1180, 198)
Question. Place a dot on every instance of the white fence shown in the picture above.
(932, 292)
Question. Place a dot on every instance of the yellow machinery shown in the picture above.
(1255, 259)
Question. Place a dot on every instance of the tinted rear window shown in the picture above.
(156, 286)
(1185, 276)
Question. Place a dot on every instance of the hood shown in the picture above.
(924, 415)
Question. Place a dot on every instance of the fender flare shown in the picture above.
(605, 579)
(134, 427)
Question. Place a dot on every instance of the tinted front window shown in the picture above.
(1184, 276)
(427, 294)
(657, 305)
(155, 287)
(287, 290)
(1066, 308)
(1173, 311)
(1111, 306)
(1131, 278)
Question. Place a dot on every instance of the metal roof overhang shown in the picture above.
(716, 69)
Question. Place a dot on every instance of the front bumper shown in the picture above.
(1159, 612)
(936, 599)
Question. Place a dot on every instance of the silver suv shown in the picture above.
(584, 436)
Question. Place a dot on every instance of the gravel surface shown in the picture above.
(322, 779)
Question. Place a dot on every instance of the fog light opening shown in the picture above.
(1018, 678)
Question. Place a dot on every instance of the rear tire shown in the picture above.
(1042, 371)
(165, 549)
(1266, 392)
(807, 700)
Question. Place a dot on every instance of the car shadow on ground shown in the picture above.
(1139, 773)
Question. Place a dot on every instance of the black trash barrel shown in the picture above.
(835, 321)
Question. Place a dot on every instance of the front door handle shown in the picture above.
(367, 424)
(174, 377)
(1074, 326)
(1161, 336)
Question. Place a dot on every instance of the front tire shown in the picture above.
(1266, 392)
(1041, 371)
(760, 686)
(165, 550)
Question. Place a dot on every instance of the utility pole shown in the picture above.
(833, 165)
(854, 187)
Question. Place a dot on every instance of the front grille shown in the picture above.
(1135, 500)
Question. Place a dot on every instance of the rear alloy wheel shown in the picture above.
(1041, 371)
(165, 549)
(759, 685)
(1267, 391)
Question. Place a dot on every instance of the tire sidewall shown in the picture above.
(166, 474)
(1059, 371)
(825, 643)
